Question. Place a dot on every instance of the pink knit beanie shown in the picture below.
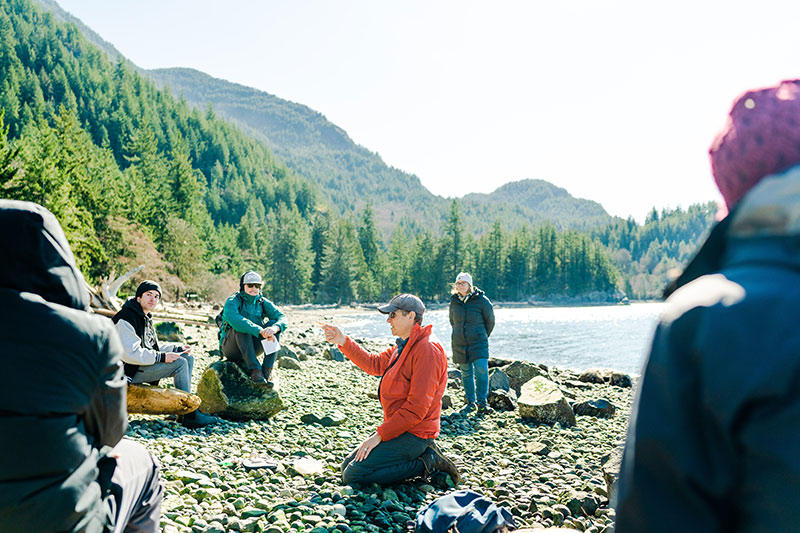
(761, 137)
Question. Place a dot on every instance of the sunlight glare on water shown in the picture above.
(578, 338)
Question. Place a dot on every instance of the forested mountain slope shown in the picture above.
(139, 175)
(352, 175)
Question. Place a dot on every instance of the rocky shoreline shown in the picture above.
(282, 474)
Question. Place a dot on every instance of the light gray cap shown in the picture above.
(251, 277)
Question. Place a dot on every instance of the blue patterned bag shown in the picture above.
(463, 511)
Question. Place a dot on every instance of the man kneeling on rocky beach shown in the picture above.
(413, 380)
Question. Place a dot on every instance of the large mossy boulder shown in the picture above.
(521, 372)
(169, 332)
(543, 402)
(227, 391)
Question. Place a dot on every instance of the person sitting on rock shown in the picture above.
(145, 360)
(247, 318)
(413, 380)
(65, 464)
(712, 442)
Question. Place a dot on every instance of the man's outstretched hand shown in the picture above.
(334, 334)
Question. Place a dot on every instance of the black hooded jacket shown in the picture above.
(712, 442)
(133, 313)
(63, 400)
(473, 322)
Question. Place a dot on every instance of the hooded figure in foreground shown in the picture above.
(64, 465)
(712, 444)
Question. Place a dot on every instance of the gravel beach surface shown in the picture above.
(545, 475)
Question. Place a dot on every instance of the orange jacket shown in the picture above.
(413, 383)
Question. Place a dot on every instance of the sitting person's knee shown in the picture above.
(353, 474)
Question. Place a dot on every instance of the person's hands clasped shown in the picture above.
(333, 334)
(269, 332)
(367, 446)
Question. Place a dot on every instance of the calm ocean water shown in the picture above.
(567, 337)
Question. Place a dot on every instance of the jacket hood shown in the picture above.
(134, 305)
(770, 210)
(40, 259)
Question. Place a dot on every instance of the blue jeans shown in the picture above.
(180, 370)
(475, 375)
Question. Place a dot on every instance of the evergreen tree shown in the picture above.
(452, 244)
(184, 251)
(492, 260)
(515, 274)
(546, 278)
(426, 268)
(370, 247)
(290, 259)
(398, 271)
(8, 160)
(338, 271)
(319, 240)
(150, 200)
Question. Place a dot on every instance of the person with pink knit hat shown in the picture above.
(712, 442)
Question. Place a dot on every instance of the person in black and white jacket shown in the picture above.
(144, 359)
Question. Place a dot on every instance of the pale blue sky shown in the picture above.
(616, 101)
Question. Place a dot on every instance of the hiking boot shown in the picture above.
(196, 419)
(435, 461)
(257, 378)
(267, 374)
(485, 409)
(468, 408)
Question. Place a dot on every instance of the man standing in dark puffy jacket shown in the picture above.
(472, 319)
(712, 445)
(63, 465)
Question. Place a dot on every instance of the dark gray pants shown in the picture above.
(391, 461)
(136, 478)
(244, 347)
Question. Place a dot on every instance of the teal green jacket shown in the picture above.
(250, 314)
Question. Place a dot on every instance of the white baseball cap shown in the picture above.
(463, 276)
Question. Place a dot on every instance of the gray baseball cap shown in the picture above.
(404, 302)
(252, 278)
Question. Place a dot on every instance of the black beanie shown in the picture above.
(148, 285)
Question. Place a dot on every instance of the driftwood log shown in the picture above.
(147, 400)
(160, 318)
(104, 297)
